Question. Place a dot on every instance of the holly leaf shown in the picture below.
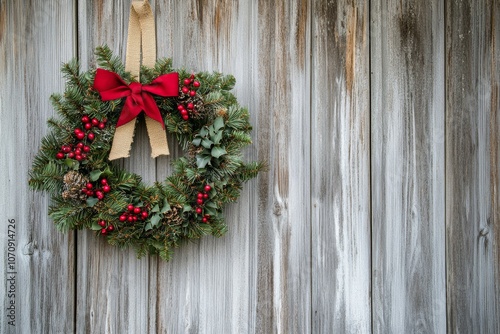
(218, 123)
(94, 175)
(95, 226)
(202, 160)
(71, 163)
(217, 138)
(166, 207)
(218, 151)
(187, 208)
(148, 227)
(156, 208)
(197, 141)
(211, 205)
(207, 143)
(204, 132)
(91, 201)
(155, 219)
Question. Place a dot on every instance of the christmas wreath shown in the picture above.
(90, 192)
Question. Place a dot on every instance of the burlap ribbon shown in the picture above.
(141, 34)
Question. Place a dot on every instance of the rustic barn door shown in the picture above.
(380, 209)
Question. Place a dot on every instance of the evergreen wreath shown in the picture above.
(88, 191)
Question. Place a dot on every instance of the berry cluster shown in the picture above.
(105, 229)
(90, 190)
(133, 214)
(79, 151)
(189, 88)
(201, 197)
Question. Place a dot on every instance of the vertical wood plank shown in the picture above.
(340, 168)
(34, 39)
(114, 293)
(473, 166)
(256, 278)
(408, 199)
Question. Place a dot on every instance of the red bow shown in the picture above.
(139, 98)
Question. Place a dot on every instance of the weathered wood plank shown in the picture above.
(408, 174)
(256, 278)
(114, 293)
(340, 168)
(34, 39)
(473, 166)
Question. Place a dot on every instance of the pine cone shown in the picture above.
(74, 182)
(173, 216)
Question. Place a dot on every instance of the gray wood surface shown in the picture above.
(340, 167)
(35, 39)
(380, 208)
(473, 166)
(408, 167)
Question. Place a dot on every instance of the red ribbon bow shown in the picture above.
(111, 87)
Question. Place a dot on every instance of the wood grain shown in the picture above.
(29, 72)
(473, 166)
(340, 168)
(408, 167)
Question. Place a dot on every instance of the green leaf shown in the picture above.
(71, 163)
(218, 151)
(197, 141)
(218, 123)
(155, 219)
(217, 138)
(207, 143)
(211, 131)
(95, 226)
(202, 160)
(210, 211)
(187, 208)
(95, 174)
(148, 227)
(211, 205)
(166, 207)
(204, 132)
(156, 208)
(91, 201)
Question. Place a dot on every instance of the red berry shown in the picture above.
(185, 90)
(110, 228)
(101, 125)
(207, 188)
(192, 93)
(106, 189)
(144, 214)
(130, 207)
(88, 126)
(205, 195)
(90, 193)
(101, 223)
(199, 201)
(134, 218)
(77, 131)
(60, 155)
(196, 84)
(185, 117)
(190, 106)
(78, 157)
(180, 107)
(65, 149)
(91, 136)
(200, 195)
(187, 82)
(80, 135)
(104, 182)
(85, 119)
(103, 231)
(199, 211)
(95, 122)
(89, 186)
(86, 149)
(137, 210)
(79, 145)
(71, 155)
(204, 219)
(78, 151)
(84, 156)
(122, 218)
(99, 195)
(191, 76)
(130, 219)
